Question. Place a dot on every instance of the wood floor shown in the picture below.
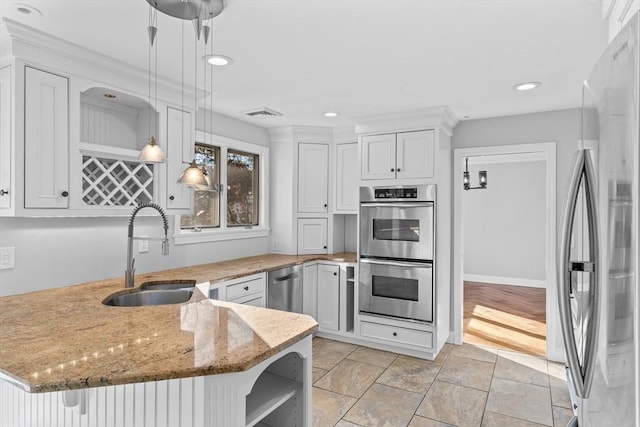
(505, 317)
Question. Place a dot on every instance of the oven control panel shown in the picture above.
(396, 193)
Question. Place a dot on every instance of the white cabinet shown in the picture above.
(398, 155)
(312, 236)
(249, 290)
(46, 141)
(5, 138)
(347, 177)
(179, 155)
(328, 302)
(310, 290)
(313, 177)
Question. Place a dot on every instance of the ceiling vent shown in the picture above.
(263, 113)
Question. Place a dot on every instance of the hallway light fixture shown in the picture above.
(466, 182)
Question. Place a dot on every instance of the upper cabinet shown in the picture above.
(313, 177)
(179, 154)
(347, 178)
(72, 127)
(398, 155)
(46, 140)
(6, 127)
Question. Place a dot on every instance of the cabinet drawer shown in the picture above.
(245, 288)
(396, 334)
(255, 300)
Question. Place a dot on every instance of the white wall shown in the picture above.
(53, 252)
(504, 224)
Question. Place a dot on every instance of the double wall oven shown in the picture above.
(397, 244)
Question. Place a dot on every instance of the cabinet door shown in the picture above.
(379, 156)
(46, 140)
(415, 154)
(347, 177)
(310, 290)
(5, 138)
(313, 177)
(179, 155)
(312, 236)
(328, 297)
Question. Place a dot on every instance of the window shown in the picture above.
(206, 204)
(242, 189)
(239, 209)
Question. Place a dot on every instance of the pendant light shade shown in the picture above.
(152, 152)
(194, 177)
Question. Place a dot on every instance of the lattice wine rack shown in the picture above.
(111, 182)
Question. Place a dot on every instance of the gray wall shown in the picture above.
(53, 252)
(562, 127)
(504, 224)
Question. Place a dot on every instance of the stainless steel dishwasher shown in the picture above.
(284, 289)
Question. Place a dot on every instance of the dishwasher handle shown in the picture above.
(286, 278)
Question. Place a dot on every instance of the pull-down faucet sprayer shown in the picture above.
(129, 272)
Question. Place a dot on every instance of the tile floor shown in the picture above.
(466, 385)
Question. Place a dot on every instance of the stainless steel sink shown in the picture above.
(154, 293)
(168, 285)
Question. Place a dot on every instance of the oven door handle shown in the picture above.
(397, 205)
(395, 263)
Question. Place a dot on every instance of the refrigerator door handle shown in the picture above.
(583, 171)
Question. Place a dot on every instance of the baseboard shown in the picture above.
(497, 280)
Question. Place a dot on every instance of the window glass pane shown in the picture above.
(242, 188)
(206, 204)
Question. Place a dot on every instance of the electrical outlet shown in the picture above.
(275, 245)
(7, 258)
(143, 245)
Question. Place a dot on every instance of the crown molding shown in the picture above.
(345, 134)
(19, 33)
(440, 116)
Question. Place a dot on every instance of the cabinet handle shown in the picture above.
(64, 193)
(246, 288)
(395, 334)
(325, 205)
(335, 274)
(172, 198)
(324, 247)
(393, 170)
(3, 192)
(398, 170)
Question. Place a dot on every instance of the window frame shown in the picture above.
(224, 232)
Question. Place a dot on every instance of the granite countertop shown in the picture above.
(65, 338)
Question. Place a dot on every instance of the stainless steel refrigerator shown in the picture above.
(598, 277)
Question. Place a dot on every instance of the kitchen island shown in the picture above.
(68, 359)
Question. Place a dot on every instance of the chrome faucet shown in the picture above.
(129, 272)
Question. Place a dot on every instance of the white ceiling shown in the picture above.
(358, 57)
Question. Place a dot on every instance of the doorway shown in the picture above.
(504, 258)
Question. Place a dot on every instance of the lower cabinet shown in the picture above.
(248, 290)
(334, 297)
(328, 301)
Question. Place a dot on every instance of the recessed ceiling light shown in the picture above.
(218, 60)
(527, 86)
(26, 9)
(331, 114)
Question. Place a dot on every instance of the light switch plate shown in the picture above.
(7, 258)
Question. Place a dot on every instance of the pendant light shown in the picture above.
(194, 177)
(152, 152)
